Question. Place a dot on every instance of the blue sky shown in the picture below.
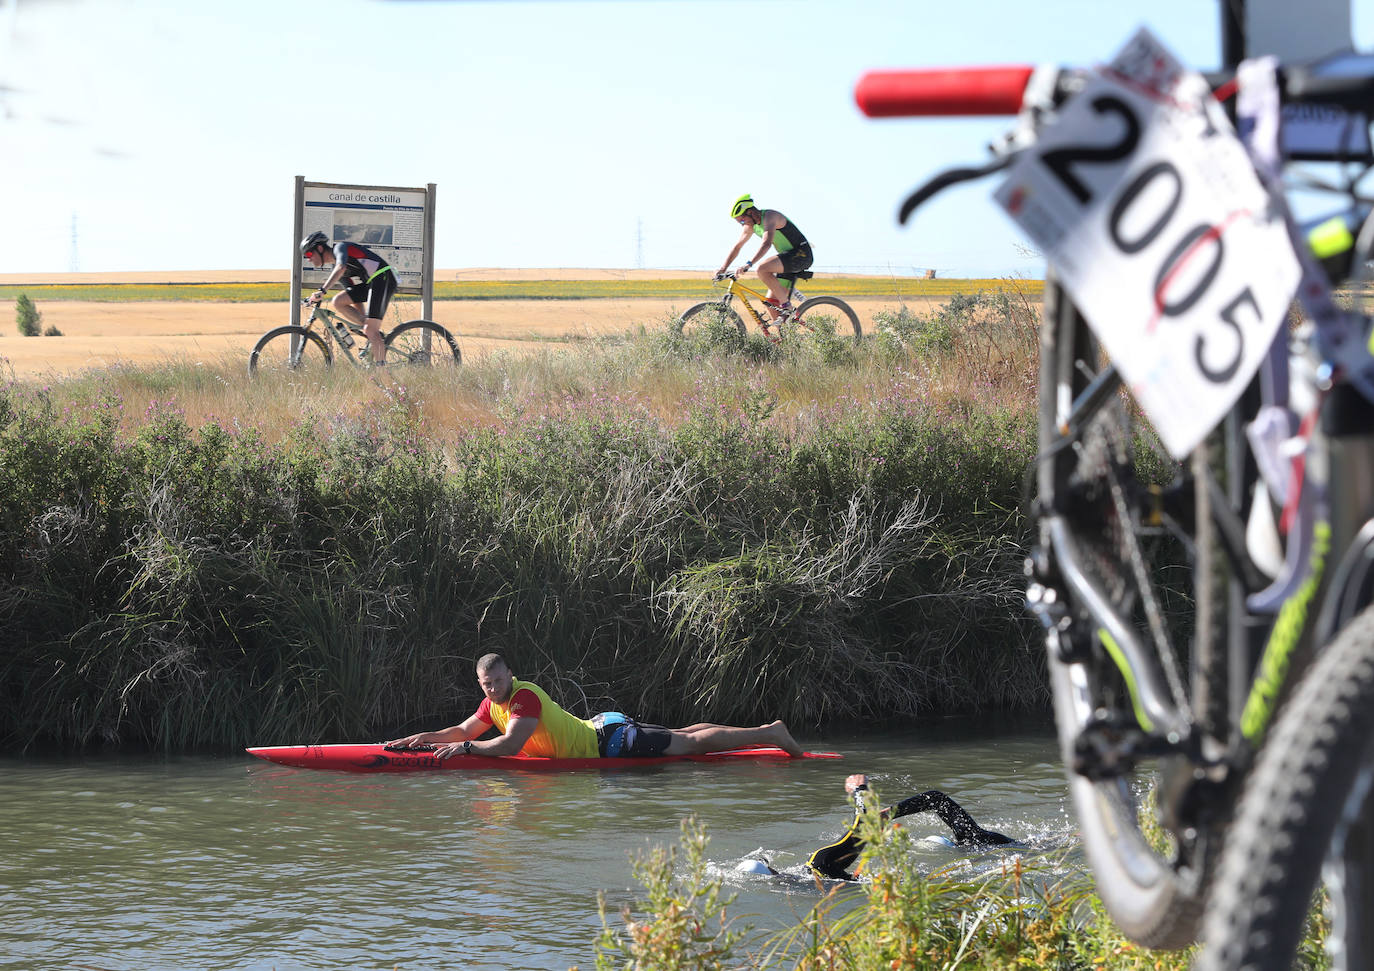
(560, 133)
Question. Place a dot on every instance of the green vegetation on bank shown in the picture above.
(699, 287)
(1030, 913)
(717, 530)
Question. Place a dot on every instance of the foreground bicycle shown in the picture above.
(415, 343)
(808, 314)
(1199, 468)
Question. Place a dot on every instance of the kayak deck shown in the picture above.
(375, 757)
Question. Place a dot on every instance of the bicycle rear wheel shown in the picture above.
(1122, 577)
(290, 350)
(1309, 790)
(709, 317)
(422, 343)
(817, 312)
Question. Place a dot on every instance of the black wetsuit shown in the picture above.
(834, 861)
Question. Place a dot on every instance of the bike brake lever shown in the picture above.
(946, 179)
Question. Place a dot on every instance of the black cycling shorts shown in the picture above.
(376, 294)
(796, 260)
(621, 737)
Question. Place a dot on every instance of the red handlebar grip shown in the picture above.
(943, 91)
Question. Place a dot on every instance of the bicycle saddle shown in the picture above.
(799, 275)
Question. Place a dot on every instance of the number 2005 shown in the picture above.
(1142, 212)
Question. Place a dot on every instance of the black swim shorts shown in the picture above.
(377, 293)
(619, 736)
(796, 260)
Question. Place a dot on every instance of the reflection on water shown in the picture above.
(233, 863)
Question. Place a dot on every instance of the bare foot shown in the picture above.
(784, 740)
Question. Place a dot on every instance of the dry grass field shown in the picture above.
(97, 334)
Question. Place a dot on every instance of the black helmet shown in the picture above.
(313, 240)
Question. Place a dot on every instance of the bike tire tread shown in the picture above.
(1290, 807)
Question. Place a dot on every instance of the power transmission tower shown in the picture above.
(75, 259)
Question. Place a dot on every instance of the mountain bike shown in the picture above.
(1180, 560)
(808, 313)
(301, 349)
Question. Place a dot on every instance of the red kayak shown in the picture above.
(375, 757)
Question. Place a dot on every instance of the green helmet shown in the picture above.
(742, 205)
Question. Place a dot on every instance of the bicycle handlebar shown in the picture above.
(1344, 81)
(943, 91)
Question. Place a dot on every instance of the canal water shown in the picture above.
(229, 862)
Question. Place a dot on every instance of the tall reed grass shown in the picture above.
(681, 531)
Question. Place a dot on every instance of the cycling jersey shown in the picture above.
(367, 277)
(360, 264)
(785, 239)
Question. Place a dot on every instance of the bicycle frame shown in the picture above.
(734, 288)
(336, 325)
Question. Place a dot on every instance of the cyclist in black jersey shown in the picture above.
(833, 861)
(369, 283)
(793, 250)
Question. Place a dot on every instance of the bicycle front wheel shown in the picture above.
(290, 350)
(708, 317)
(1309, 790)
(422, 343)
(821, 311)
(1122, 573)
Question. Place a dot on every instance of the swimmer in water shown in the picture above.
(833, 861)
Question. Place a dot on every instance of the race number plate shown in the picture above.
(1144, 200)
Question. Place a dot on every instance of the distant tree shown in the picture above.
(27, 316)
(51, 331)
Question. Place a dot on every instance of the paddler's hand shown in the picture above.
(418, 740)
(855, 782)
(451, 749)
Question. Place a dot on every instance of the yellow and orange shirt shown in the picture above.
(559, 734)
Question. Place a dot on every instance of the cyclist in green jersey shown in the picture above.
(779, 233)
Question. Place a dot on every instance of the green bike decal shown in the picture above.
(1278, 653)
(1114, 649)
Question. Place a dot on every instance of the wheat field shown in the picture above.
(97, 332)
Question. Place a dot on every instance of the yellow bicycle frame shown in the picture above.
(734, 288)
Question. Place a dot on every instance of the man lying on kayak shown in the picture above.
(833, 861)
(531, 723)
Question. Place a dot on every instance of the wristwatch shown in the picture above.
(467, 747)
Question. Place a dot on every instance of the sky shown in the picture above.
(145, 135)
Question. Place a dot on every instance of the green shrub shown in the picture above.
(27, 316)
(1028, 914)
(684, 924)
